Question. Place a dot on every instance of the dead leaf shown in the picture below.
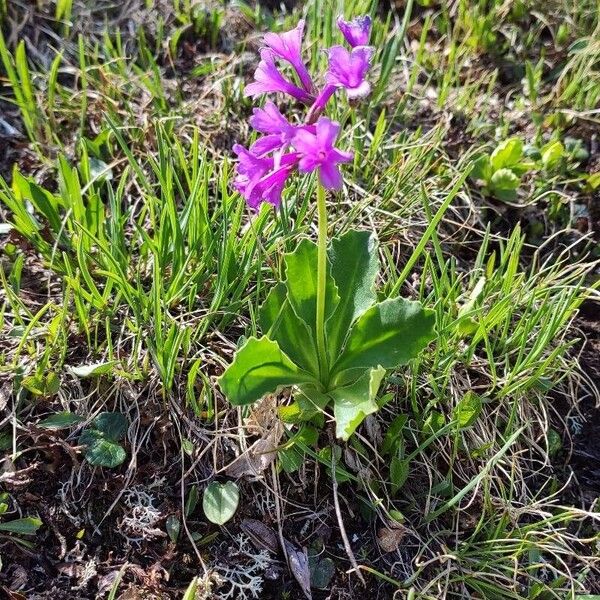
(261, 535)
(106, 582)
(389, 538)
(298, 561)
(19, 577)
(259, 456)
(13, 595)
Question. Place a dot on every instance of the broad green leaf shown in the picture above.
(433, 423)
(389, 334)
(45, 202)
(467, 410)
(93, 370)
(112, 424)
(220, 501)
(352, 403)
(504, 184)
(259, 367)
(311, 400)
(61, 420)
(354, 267)
(101, 451)
(34, 384)
(280, 323)
(482, 168)
(25, 526)
(554, 441)
(593, 181)
(507, 153)
(322, 570)
(301, 282)
(268, 313)
(552, 154)
(191, 501)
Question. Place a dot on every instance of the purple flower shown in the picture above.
(357, 31)
(270, 121)
(267, 78)
(262, 179)
(316, 151)
(348, 69)
(269, 188)
(249, 169)
(288, 46)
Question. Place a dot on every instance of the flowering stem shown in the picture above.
(321, 284)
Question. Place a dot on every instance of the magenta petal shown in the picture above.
(308, 163)
(339, 156)
(327, 131)
(362, 90)
(349, 69)
(357, 31)
(268, 79)
(305, 142)
(288, 46)
(269, 119)
(266, 144)
(330, 176)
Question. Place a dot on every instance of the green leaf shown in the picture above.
(482, 168)
(507, 153)
(191, 501)
(112, 424)
(322, 570)
(278, 320)
(389, 334)
(259, 367)
(220, 501)
(504, 184)
(354, 267)
(352, 403)
(101, 451)
(433, 423)
(61, 420)
(268, 313)
(291, 456)
(311, 400)
(191, 591)
(552, 154)
(301, 282)
(34, 384)
(173, 527)
(554, 442)
(467, 410)
(394, 435)
(93, 370)
(398, 473)
(25, 526)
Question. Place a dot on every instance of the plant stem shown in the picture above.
(321, 284)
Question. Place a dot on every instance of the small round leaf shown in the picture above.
(220, 501)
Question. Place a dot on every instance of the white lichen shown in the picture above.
(244, 579)
(141, 516)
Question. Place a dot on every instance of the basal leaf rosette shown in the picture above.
(363, 337)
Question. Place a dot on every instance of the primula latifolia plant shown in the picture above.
(325, 334)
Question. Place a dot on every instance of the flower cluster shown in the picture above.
(263, 169)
